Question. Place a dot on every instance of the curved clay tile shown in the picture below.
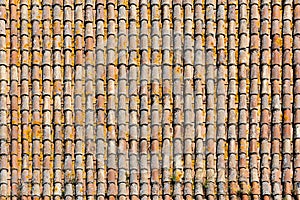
(100, 102)
(166, 100)
(243, 121)
(155, 100)
(112, 169)
(199, 80)
(79, 101)
(47, 96)
(210, 79)
(232, 17)
(144, 101)
(89, 99)
(4, 171)
(254, 99)
(188, 108)
(57, 20)
(68, 190)
(133, 100)
(25, 99)
(221, 151)
(276, 64)
(177, 100)
(287, 97)
(36, 95)
(14, 98)
(149, 99)
(122, 102)
(265, 132)
(296, 48)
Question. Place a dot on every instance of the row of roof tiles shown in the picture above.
(149, 100)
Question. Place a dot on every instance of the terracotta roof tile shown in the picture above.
(243, 120)
(254, 108)
(122, 103)
(265, 103)
(151, 99)
(4, 169)
(296, 99)
(155, 100)
(167, 100)
(47, 96)
(276, 95)
(199, 81)
(287, 96)
(25, 126)
(188, 100)
(14, 95)
(177, 100)
(57, 97)
(222, 70)
(100, 102)
(232, 96)
(144, 102)
(211, 79)
(67, 191)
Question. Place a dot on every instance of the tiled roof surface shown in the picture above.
(159, 99)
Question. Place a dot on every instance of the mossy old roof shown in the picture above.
(160, 99)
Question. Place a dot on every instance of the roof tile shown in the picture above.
(161, 99)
